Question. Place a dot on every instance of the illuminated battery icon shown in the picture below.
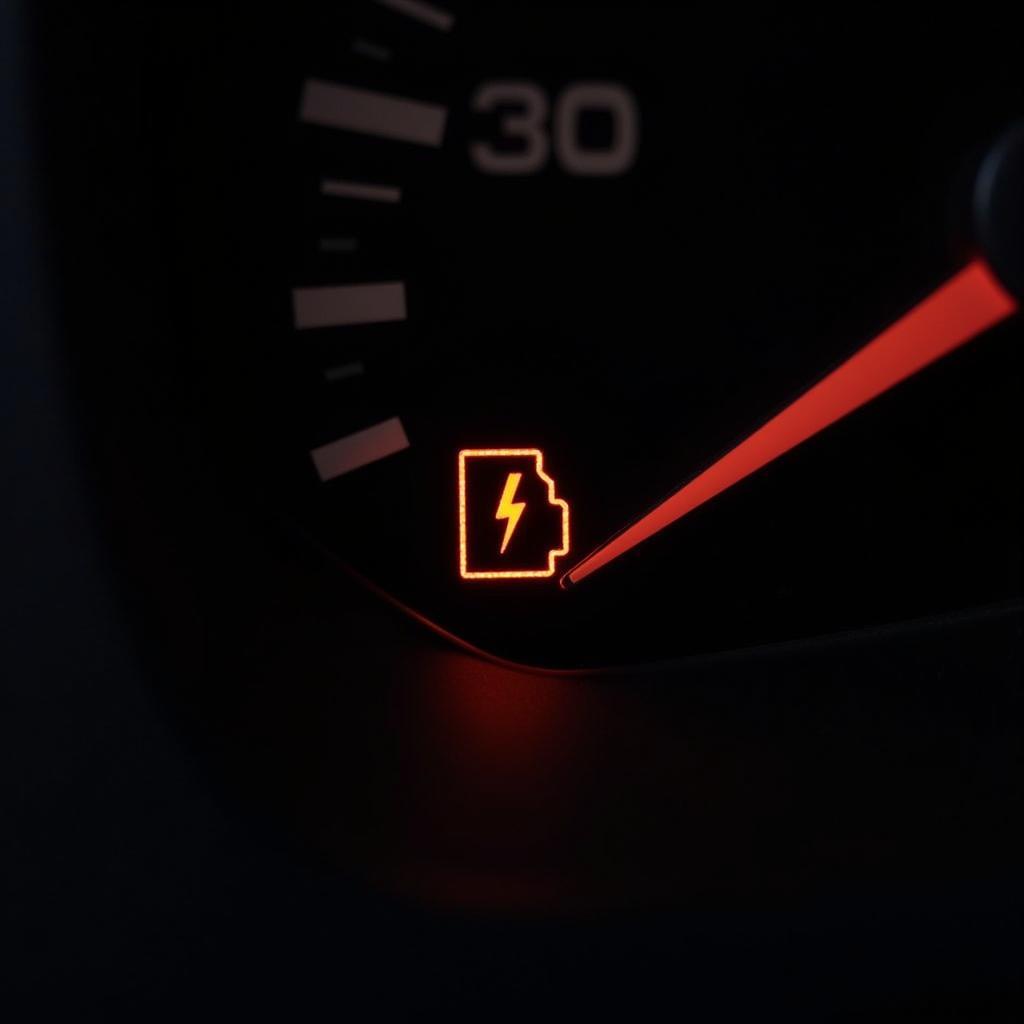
(511, 523)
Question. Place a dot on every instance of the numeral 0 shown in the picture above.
(525, 120)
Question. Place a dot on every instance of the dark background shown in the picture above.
(234, 782)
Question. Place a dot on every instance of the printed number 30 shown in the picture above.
(526, 117)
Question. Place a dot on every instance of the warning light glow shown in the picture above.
(509, 510)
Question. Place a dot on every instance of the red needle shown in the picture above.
(966, 305)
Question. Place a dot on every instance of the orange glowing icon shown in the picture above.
(511, 523)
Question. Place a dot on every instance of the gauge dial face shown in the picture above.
(604, 244)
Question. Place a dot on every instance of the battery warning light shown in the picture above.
(511, 523)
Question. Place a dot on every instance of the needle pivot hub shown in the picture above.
(998, 203)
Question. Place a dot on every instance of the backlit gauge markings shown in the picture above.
(368, 48)
(344, 371)
(419, 10)
(341, 189)
(385, 116)
(353, 451)
(345, 305)
(368, 112)
(491, 519)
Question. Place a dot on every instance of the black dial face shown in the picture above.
(527, 274)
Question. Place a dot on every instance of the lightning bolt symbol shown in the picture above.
(509, 509)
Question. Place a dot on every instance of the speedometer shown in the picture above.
(503, 491)
(611, 333)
